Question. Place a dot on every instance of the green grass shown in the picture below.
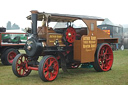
(82, 76)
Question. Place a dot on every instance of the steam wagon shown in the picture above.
(10, 43)
(65, 45)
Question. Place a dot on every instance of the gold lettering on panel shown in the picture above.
(85, 42)
(88, 50)
(93, 45)
(51, 41)
(59, 36)
(90, 42)
(86, 46)
(55, 36)
(86, 38)
(93, 37)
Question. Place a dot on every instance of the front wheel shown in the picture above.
(103, 57)
(48, 68)
(19, 66)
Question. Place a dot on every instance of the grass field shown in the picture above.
(81, 76)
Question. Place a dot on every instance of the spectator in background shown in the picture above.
(116, 46)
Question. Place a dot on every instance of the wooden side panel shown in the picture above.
(102, 34)
(77, 50)
(103, 37)
(107, 40)
(42, 32)
(88, 46)
(89, 42)
(84, 49)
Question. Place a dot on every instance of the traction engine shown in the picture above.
(62, 48)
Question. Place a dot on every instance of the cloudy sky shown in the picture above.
(17, 10)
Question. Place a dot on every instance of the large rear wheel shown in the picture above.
(19, 66)
(103, 58)
(48, 68)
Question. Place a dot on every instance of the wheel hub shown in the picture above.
(11, 57)
(69, 34)
(50, 68)
(29, 47)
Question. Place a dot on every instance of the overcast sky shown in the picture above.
(16, 11)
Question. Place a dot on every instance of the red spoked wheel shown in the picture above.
(20, 65)
(48, 68)
(103, 58)
(70, 35)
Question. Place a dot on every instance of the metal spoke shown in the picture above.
(45, 69)
(23, 71)
(19, 71)
(55, 66)
(51, 74)
(101, 65)
(46, 64)
(104, 66)
(51, 62)
(47, 75)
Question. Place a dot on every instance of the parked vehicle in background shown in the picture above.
(125, 32)
(10, 43)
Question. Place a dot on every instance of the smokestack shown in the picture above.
(34, 22)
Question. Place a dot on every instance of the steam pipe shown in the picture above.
(34, 22)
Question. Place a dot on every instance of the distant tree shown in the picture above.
(15, 27)
(8, 25)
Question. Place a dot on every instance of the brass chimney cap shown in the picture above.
(34, 11)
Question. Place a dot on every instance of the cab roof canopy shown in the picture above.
(55, 17)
